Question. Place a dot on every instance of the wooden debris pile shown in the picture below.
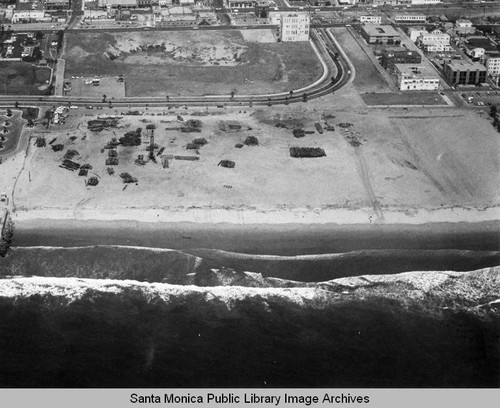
(92, 181)
(307, 152)
(98, 125)
(127, 178)
(58, 147)
(132, 138)
(70, 165)
(227, 163)
(40, 141)
(299, 132)
(251, 141)
(70, 154)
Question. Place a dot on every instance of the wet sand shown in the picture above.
(275, 239)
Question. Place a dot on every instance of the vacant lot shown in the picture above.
(22, 78)
(187, 63)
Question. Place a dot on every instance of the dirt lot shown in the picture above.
(22, 78)
(389, 160)
(109, 86)
(191, 63)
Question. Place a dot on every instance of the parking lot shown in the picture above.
(481, 98)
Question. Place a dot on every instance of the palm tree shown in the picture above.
(104, 98)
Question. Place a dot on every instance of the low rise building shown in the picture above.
(56, 5)
(464, 72)
(435, 41)
(399, 55)
(464, 27)
(492, 63)
(425, 2)
(370, 19)
(380, 34)
(294, 27)
(28, 16)
(121, 4)
(416, 78)
(410, 18)
(235, 4)
(415, 32)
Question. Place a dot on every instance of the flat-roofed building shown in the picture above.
(235, 4)
(416, 78)
(294, 27)
(380, 34)
(410, 18)
(56, 4)
(415, 32)
(425, 2)
(399, 55)
(122, 4)
(370, 19)
(492, 63)
(435, 41)
(22, 16)
(464, 72)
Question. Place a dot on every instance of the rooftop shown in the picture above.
(380, 30)
(416, 71)
(465, 65)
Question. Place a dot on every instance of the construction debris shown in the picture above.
(112, 161)
(251, 141)
(227, 163)
(40, 141)
(307, 152)
(299, 133)
(97, 125)
(132, 138)
(112, 144)
(192, 158)
(319, 128)
(83, 172)
(58, 147)
(239, 145)
(70, 165)
(345, 125)
(140, 160)
(92, 181)
(112, 153)
(110, 171)
(127, 178)
(70, 154)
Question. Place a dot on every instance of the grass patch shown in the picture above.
(22, 78)
(410, 98)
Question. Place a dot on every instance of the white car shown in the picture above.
(73, 107)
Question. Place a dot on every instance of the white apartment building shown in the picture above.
(370, 19)
(294, 27)
(415, 32)
(27, 15)
(410, 18)
(425, 2)
(435, 41)
(416, 78)
(493, 65)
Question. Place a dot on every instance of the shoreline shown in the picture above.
(338, 216)
(291, 238)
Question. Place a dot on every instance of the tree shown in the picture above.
(9, 113)
(232, 94)
(493, 111)
(16, 104)
(291, 93)
(286, 101)
(304, 97)
(104, 98)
